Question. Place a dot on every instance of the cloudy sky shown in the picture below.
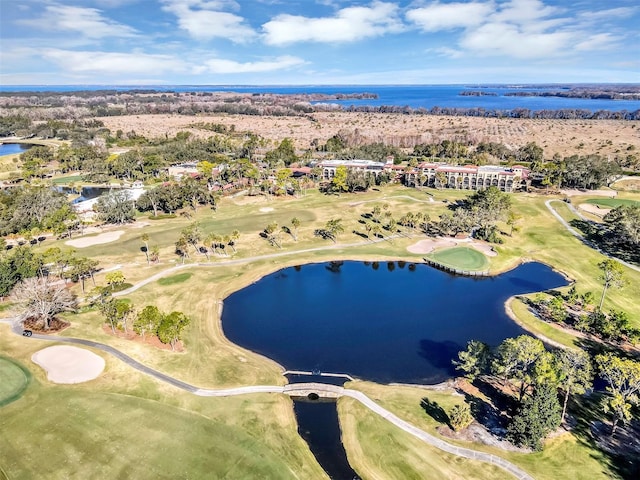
(257, 42)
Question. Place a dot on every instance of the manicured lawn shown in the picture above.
(462, 258)
(126, 425)
(566, 456)
(68, 179)
(612, 202)
(379, 450)
(174, 279)
(14, 380)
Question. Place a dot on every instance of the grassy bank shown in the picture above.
(127, 425)
(565, 456)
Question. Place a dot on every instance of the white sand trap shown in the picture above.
(266, 209)
(594, 209)
(106, 237)
(429, 245)
(66, 364)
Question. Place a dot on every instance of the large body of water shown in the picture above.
(415, 96)
(386, 322)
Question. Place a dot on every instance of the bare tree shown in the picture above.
(41, 299)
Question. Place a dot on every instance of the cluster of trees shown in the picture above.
(23, 262)
(120, 314)
(31, 210)
(580, 312)
(478, 214)
(351, 180)
(543, 382)
(191, 192)
(620, 233)
(193, 238)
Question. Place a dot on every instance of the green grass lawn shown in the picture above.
(67, 179)
(14, 380)
(566, 456)
(210, 360)
(612, 202)
(175, 279)
(379, 450)
(127, 425)
(462, 258)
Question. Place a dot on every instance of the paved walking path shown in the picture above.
(580, 236)
(239, 261)
(321, 389)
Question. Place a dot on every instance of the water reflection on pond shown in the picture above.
(380, 321)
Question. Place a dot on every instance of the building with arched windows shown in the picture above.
(469, 177)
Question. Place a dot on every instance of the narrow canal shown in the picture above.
(380, 321)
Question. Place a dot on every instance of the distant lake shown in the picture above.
(415, 96)
(11, 148)
(380, 321)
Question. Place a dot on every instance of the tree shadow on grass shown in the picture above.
(435, 411)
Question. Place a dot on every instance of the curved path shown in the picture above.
(239, 261)
(580, 236)
(320, 388)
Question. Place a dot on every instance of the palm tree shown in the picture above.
(334, 227)
(145, 239)
(295, 223)
(235, 235)
(182, 248)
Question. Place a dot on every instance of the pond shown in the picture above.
(385, 322)
(381, 321)
(11, 148)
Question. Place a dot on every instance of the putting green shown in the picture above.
(612, 202)
(461, 258)
(15, 380)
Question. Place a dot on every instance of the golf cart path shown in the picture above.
(321, 389)
(580, 236)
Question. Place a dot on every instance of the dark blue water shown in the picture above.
(386, 322)
(11, 148)
(415, 96)
(318, 425)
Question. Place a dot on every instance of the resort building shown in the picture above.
(368, 166)
(469, 177)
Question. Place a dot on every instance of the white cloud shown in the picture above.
(112, 63)
(620, 12)
(87, 21)
(447, 52)
(523, 12)
(599, 41)
(445, 16)
(205, 20)
(347, 25)
(222, 66)
(507, 39)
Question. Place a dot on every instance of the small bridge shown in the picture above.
(313, 390)
(318, 373)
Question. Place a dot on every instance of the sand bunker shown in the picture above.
(430, 244)
(594, 209)
(106, 237)
(266, 209)
(66, 364)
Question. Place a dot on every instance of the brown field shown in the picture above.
(566, 137)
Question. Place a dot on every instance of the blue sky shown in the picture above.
(318, 41)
